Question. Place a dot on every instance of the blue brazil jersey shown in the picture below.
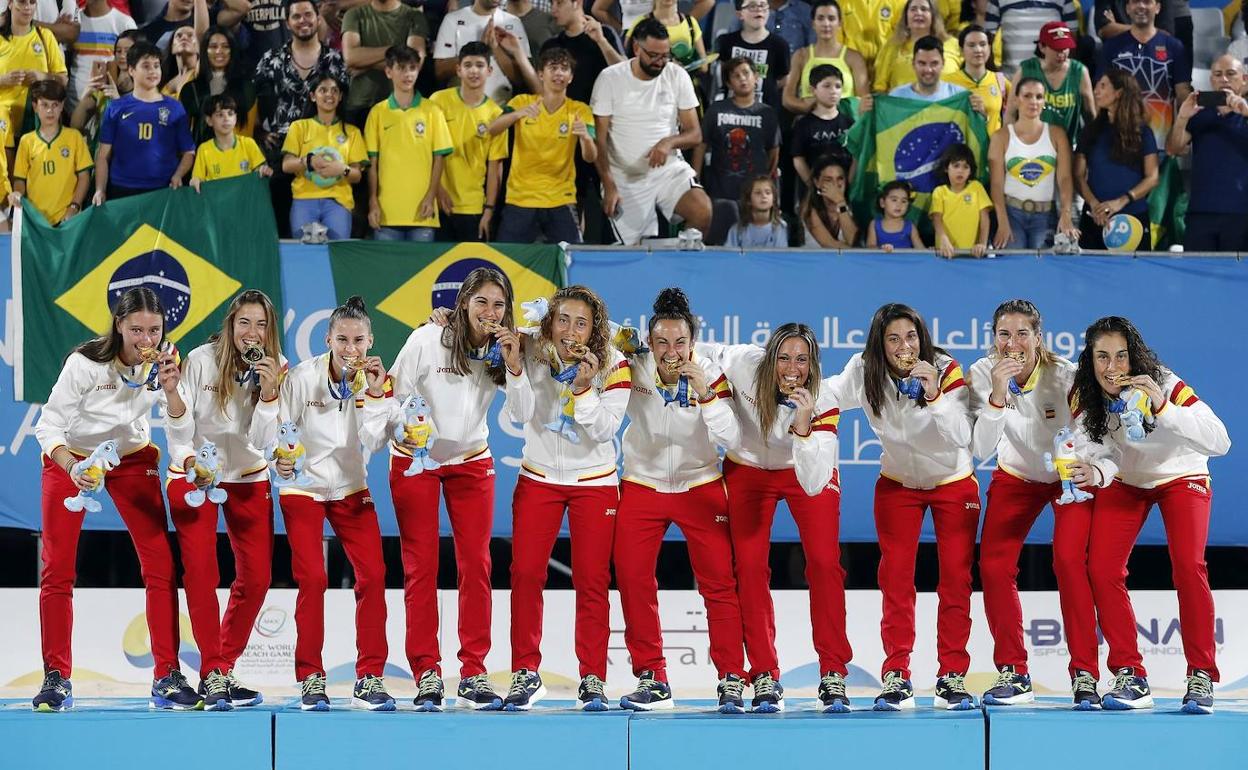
(148, 139)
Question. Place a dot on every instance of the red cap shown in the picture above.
(1057, 35)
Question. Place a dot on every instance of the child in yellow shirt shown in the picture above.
(960, 207)
(226, 154)
(52, 166)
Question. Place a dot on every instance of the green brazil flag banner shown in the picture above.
(196, 251)
(403, 282)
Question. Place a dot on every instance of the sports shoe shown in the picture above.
(1199, 697)
(731, 695)
(526, 689)
(370, 694)
(1128, 692)
(592, 694)
(240, 694)
(429, 691)
(1084, 688)
(650, 695)
(1011, 689)
(475, 693)
(768, 695)
(832, 697)
(897, 695)
(314, 697)
(951, 693)
(175, 693)
(55, 694)
(214, 688)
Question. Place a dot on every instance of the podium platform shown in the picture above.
(107, 733)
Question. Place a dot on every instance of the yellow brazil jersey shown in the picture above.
(36, 50)
(212, 162)
(543, 168)
(862, 27)
(51, 169)
(402, 142)
(464, 173)
(993, 88)
(895, 64)
(959, 211)
(337, 140)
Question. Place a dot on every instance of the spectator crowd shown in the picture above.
(615, 120)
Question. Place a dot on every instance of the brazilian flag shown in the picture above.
(904, 139)
(403, 282)
(195, 250)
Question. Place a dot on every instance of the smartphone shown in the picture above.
(99, 67)
(1211, 99)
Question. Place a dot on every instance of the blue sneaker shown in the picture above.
(1084, 688)
(1128, 692)
(214, 688)
(56, 694)
(650, 695)
(951, 693)
(768, 695)
(174, 693)
(897, 695)
(832, 697)
(1199, 697)
(1011, 689)
(731, 695)
(370, 694)
(526, 689)
(240, 694)
(313, 696)
(592, 694)
(429, 692)
(475, 693)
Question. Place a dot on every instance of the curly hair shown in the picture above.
(1091, 399)
(875, 373)
(456, 334)
(766, 391)
(1126, 129)
(600, 337)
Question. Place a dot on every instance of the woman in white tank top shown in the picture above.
(1028, 159)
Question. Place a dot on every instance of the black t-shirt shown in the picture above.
(261, 30)
(771, 62)
(815, 137)
(589, 62)
(739, 140)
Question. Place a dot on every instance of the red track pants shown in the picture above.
(702, 515)
(354, 521)
(898, 520)
(1119, 512)
(537, 512)
(249, 523)
(1013, 506)
(134, 486)
(469, 491)
(753, 494)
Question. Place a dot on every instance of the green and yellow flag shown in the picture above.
(904, 139)
(196, 251)
(403, 282)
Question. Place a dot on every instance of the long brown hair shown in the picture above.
(766, 392)
(600, 338)
(1023, 307)
(456, 334)
(106, 347)
(875, 374)
(229, 360)
(1127, 126)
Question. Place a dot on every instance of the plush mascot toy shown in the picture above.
(1059, 460)
(95, 465)
(417, 429)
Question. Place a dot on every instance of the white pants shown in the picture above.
(661, 188)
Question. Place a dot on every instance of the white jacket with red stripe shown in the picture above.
(1186, 435)
(533, 399)
(242, 432)
(671, 448)
(1022, 431)
(338, 435)
(460, 404)
(923, 447)
(91, 403)
(813, 457)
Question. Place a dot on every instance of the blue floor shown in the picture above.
(105, 733)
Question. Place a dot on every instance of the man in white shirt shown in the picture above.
(634, 102)
(485, 22)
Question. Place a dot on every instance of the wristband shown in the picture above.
(1130, 197)
(307, 162)
(76, 204)
(994, 403)
(489, 206)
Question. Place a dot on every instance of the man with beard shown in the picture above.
(1157, 61)
(635, 101)
(284, 80)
